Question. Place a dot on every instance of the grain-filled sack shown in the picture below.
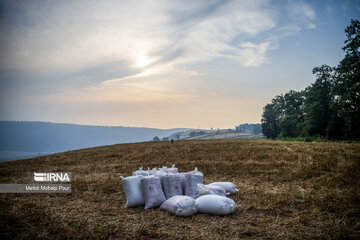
(215, 204)
(182, 180)
(211, 189)
(159, 172)
(228, 186)
(180, 205)
(132, 188)
(171, 185)
(141, 172)
(191, 179)
(152, 191)
(152, 171)
(173, 169)
(164, 169)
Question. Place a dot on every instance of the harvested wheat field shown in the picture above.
(288, 190)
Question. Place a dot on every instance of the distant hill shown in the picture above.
(242, 131)
(22, 139)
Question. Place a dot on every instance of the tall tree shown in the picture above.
(317, 101)
(348, 81)
(273, 113)
(336, 126)
(290, 124)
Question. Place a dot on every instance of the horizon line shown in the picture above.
(188, 128)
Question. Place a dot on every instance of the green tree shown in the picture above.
(156, 138)
(347, 90)
(329, 108)
(336, 126)
(290, 124)
(273, 113)
(318, 98)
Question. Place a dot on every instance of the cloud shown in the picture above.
(302, 15)
(255, 54)
(66, 36)
(119, 51)
(301, 9)
(212, 36)
(135, 60)
(213, 31)
(311, 26)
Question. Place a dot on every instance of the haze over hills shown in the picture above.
(23, 139)
(242, 131)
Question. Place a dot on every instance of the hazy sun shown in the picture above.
(142, 61)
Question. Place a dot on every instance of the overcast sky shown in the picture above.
(162, 64)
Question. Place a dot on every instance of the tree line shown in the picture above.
(328, 108)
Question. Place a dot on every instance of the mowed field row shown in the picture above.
(288, 190)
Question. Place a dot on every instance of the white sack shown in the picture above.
(160, 172)
(141, 172)
(228, 186)
(152, 191)
(171, 185)
(191, 179)
(211, 189)
(133, 192)
(173, 169)
(152, 172)
(215, 204)
(180, 205)
(182, 180)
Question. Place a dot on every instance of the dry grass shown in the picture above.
(288, 190)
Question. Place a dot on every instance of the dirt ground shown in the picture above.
(288, 190)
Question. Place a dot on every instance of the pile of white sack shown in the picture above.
(182, 194)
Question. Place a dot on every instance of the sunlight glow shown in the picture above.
(142, 61)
